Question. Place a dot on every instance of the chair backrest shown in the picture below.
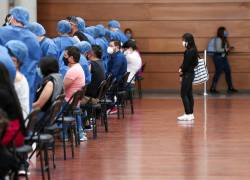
(123, 82)
(31, 120)
(60, 97)
(54, 111)
(101, 89)
(74, 100)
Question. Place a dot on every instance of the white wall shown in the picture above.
(31, 5)
(4, 9)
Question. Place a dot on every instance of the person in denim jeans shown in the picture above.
(74, 80)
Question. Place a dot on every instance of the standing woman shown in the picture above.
(186, 71)
(222, 48)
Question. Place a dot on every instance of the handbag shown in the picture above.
(200, 73)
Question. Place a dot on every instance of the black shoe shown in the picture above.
(214, 91)
(232, 90)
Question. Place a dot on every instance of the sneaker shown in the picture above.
(214, 91)
(83, 138)
(113, 111)
(232, 90)
(190, 117)
(23, 172)
(182, 118)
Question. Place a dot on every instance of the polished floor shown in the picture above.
(153, 145)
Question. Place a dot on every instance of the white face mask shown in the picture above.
(184, 43)
(110, 50)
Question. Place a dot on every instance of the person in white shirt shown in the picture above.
(18, 52)
(134, 60)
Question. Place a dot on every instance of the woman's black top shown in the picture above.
(190, 61)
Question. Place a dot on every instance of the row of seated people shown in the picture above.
(52, 86)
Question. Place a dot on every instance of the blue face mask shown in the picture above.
(39, 73)
(129, 35)
(225, 34)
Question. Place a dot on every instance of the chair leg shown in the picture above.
(73, 132)
(94, 123)
(105, 117)
(139, 89)
(64, 143)
(41, 162)
(46, 158)
(131, 102)
(123, 107)
(53, 155)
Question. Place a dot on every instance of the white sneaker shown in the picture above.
(84, 138)
(182, 118)
(190, 117)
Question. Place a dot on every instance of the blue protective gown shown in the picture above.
(83, 62)
(48, 47)
(62, 42)
(103, 43)
(8, 63)
(28, 68)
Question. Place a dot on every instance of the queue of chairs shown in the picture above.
(61, 119)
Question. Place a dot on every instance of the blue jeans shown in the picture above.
(79, 125)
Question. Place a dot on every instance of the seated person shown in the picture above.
(51, 86)
(97, 71)
(117, 65)
(18, 52)
(133, 59)
(10, 104)
(74, 80)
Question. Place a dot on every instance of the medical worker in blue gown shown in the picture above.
(64, 40)
(82, 28)
(8, 63)
(48, 47)
(84, 48)
(114, 33)
(103, 43)
(17, 31)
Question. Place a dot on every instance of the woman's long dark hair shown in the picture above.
(7, 84)
(220, 34)
(189, 38)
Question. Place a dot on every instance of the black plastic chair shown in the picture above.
(139, 78)
(121, 94)
(92, 108)
(67, 118)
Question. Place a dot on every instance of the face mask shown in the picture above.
(225, 34)
(129, 35)
(110, 50)
(184, 43)
(39, 72)
(66, 61)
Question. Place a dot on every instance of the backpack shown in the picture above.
(211, 49)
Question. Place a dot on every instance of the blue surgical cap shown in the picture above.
(80, 24)
(20, 14)
(18, 49)
(8, 63)
(63, 26)
(100, 30)
(84, 47)
(114, 24)
(37, 29)
(90, 30)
